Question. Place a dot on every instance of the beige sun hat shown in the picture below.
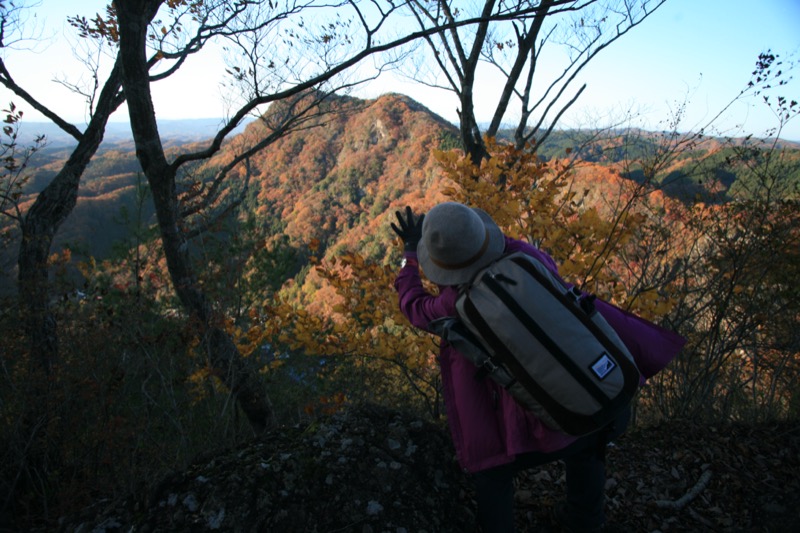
(457, 241)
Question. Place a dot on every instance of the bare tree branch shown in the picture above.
(514, 48)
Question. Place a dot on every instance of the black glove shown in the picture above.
(409, 231)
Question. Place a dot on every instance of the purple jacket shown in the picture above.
(488, 427)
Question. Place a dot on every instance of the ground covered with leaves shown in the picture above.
(371, 469)
(688, 477)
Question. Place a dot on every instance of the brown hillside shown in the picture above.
(341, 181)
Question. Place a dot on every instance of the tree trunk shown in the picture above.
(41, 223)
(470, 131)
(134, 17)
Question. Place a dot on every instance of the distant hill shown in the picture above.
(173, 131)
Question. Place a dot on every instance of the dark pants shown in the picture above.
(585, 468)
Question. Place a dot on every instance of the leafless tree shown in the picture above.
(288, 62)
(510, 39)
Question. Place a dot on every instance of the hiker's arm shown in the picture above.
(419, 306)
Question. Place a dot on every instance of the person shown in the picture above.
(494, 437)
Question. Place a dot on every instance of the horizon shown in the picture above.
(122, 122)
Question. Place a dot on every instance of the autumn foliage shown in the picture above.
(360, 321)
(305, 274)
(262, 293)
(691, 267)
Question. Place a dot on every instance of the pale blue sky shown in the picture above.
(703, 50)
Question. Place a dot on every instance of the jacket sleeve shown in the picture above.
(417, 304)
(651, 345)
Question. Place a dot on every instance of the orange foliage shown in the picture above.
(355, 309)
(543, 202)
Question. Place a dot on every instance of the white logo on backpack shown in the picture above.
(603, 366)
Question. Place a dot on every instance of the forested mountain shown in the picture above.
(340, 180)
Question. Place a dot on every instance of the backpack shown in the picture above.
(544, 343)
